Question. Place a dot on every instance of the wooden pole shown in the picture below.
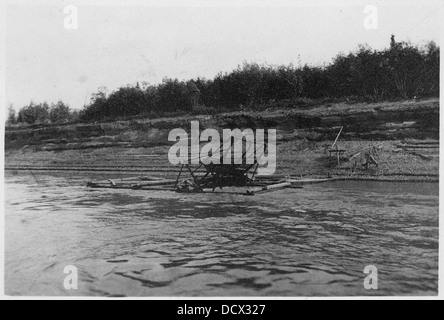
(337, 153)
(180, 173)
(334, 143)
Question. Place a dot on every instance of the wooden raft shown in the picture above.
(258, 186)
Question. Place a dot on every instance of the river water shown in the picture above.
(314, 241)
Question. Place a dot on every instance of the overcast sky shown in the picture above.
(119, 45)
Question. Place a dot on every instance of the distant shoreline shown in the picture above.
(405, 133)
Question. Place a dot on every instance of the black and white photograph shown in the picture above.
(206, 149)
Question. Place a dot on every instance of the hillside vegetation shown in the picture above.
(401, 71)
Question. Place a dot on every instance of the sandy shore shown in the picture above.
(405, 136)
(410, 160)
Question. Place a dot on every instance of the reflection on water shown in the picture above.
(315, 241)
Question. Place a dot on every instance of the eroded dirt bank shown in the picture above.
(383, 121)
(405, 133)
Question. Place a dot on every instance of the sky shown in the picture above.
(127, 42)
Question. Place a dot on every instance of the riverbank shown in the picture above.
(361, 121)
(299, 158)
(403, 138)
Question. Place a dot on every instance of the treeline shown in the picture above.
(42, 113)
(401, 71)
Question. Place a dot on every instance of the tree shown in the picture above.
(405, 63)
(35, 113)
(20, 117)
(97, 109)
(74, 116)
(60, 112)
(428, 82)
(11, 116)
(400, 71)
(172, 96)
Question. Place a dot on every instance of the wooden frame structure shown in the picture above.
(217, 176)
(208, 177)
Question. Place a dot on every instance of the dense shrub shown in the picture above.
(34, 113)
(60, 113)
(401, 71)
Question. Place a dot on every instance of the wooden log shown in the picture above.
(157, 188)
(414, 146)
(424, 157)
(277, 186)
(272, 187)
(141, 178)
(273, 177)
(422, 142)
(129, 187)
(238, 193)
(155, 183)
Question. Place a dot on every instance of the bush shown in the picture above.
(402, 71)
(60, 113)
(34, 113)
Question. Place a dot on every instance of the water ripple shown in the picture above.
(311, 242)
